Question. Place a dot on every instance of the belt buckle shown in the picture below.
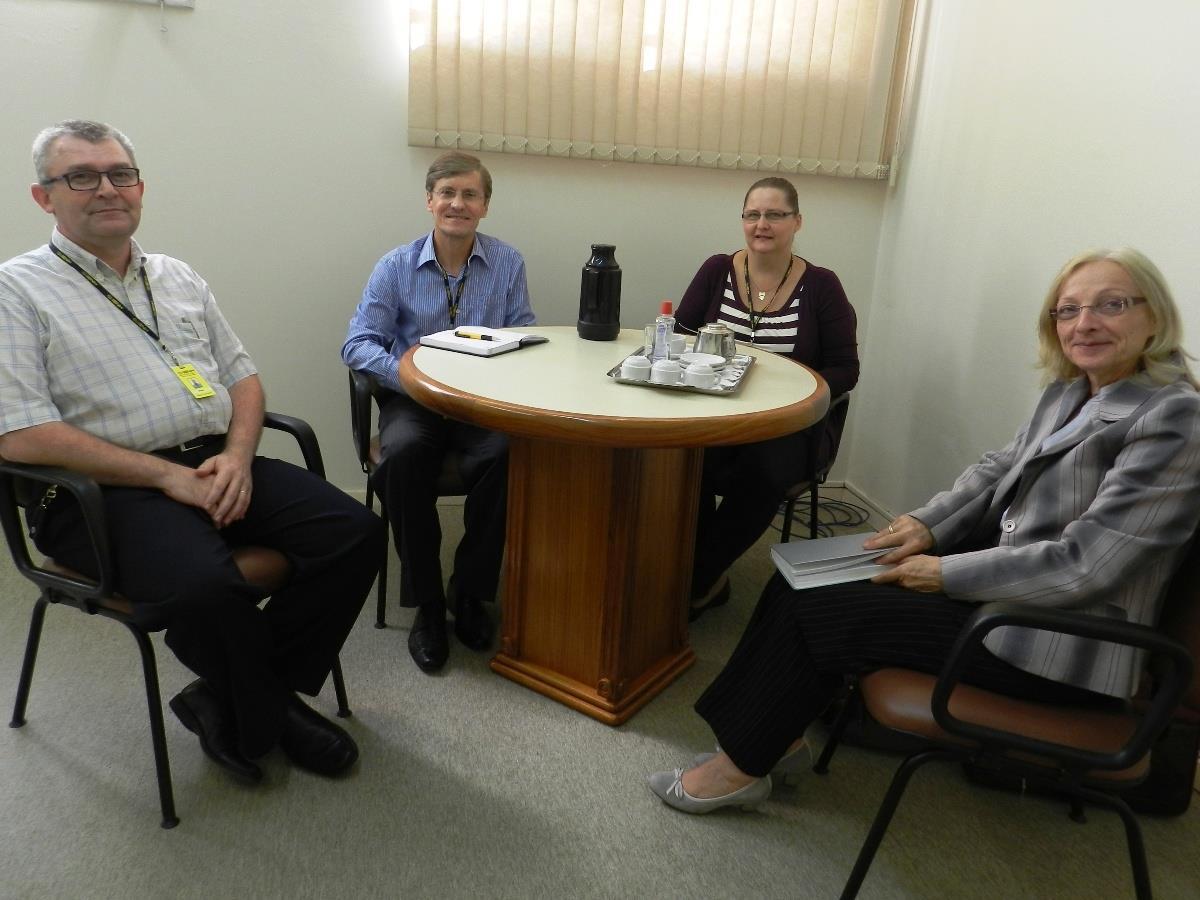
(188, 446)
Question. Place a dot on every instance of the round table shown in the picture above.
(603, 490)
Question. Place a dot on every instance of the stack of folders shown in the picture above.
(809, 564)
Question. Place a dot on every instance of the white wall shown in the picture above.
(1040, 129)
(272, 140)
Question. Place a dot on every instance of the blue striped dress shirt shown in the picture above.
(406, 299)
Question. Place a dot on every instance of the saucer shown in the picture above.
(711, 359)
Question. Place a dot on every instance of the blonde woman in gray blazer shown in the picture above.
(1089, 507)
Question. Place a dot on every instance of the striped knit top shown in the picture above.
(815, 327)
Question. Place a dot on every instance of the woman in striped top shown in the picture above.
(777, 301)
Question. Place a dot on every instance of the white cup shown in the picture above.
(665, 371)
(636, 368)
(700, 375)
(678, 345)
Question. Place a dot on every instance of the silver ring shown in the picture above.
(241, 492)
(891, 530)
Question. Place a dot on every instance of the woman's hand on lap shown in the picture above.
(908, 536)
(917, 573)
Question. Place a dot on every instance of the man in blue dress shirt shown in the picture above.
(450, 277)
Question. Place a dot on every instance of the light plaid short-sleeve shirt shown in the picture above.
(67, 354)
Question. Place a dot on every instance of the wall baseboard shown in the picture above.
(877, 517)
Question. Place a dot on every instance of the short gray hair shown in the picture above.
(92, 132)
(455, 163)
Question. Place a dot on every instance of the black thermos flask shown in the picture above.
(600, 295)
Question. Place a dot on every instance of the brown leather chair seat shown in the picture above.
(58, 585)
(262, 567)
(900, 699)
(1084, 753)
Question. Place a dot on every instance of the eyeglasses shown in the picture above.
(771, 215)
(1109, 307)
(448, 195)
(126, 176)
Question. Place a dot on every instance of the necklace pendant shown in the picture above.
(762, 296)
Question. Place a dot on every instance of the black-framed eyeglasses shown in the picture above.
(771, 215)
(1108, 307)
(122, 177)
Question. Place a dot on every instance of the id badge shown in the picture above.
(193, 381)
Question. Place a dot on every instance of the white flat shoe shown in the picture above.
(789, 769)
(668, 787)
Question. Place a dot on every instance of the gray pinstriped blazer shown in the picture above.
(1097, 523)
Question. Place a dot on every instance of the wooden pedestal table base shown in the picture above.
(603, 487)
(599, 564)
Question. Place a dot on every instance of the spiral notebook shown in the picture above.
(480, 341)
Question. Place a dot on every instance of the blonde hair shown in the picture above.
(1164, 360)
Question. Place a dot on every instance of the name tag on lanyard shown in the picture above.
(193, 381)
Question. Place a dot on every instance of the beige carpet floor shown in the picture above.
(471, 786)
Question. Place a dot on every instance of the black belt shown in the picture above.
(179, 450)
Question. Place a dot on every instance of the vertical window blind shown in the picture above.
(807, 86)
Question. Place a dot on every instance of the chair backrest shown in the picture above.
(824, 447)
(360, 415)
(1181, 615)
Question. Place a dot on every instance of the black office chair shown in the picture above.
(1084, 753)
(823, 442)
(365, 392)
(21, 484)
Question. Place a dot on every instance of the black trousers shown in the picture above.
(751, 480)
(799, 645)
(413, 441)
(178, 573)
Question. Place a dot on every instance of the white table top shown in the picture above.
(560, 391)
(568, 375)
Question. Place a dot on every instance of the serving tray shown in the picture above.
(733, 373)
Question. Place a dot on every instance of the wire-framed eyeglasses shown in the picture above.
(468, 195)
(1108, 307)
(771, 215)
(122, 177)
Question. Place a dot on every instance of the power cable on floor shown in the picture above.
(832, 515)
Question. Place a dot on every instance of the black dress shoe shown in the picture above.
(427, 642)
(472, 625)
(717, 596)
(313, 742)
(202, 713)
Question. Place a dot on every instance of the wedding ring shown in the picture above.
(241, 492)
(891, 530)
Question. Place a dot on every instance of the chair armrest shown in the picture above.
(87, 493)
(304, 435)
(360, 415)
(1177, 666)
